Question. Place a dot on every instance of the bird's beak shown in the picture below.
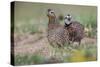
(69, 19)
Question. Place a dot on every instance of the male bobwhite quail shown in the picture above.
(74, 28)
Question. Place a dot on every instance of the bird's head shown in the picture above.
(50, 13)
(68, 17)
(67, 20)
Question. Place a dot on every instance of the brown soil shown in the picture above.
(37, 43)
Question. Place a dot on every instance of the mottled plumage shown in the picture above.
(57, 36)
(75, 30)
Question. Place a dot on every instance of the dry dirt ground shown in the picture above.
(37, 43)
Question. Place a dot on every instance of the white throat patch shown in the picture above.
(66, 21)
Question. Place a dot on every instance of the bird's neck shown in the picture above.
(53, 23)
(67, 25)
(52, 20)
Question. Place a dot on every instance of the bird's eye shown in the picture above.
(65, 17)
(52, 12)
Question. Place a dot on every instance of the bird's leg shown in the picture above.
(52, 52)
(71, 42)
(57, 50)
(79, 43)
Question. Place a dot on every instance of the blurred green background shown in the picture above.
(30, 25)
(32, 17)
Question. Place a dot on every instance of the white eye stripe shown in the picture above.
(66, 17)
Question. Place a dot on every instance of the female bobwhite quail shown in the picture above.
(57, 36)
